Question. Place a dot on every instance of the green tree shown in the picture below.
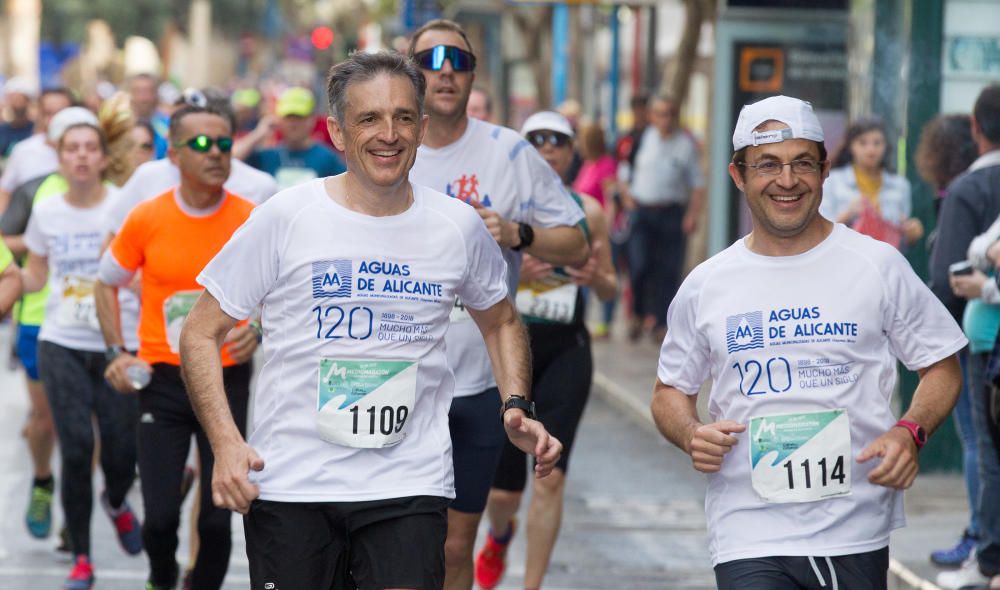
(66, 20)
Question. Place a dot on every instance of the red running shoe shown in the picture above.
(491, 561)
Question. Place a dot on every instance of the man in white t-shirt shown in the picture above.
(35, 156)
(527, 209)
(357, 275)
(152, 179)
(800, 325)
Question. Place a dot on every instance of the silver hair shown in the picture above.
(362, 67)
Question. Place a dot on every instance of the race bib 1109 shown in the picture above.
(365, 403)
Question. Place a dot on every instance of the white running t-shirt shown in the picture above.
(71, 237)
(30, 158)
(152, 179)
(497, 167)
(352, 401)
(792, 341)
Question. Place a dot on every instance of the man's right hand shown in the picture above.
(709, 443)
(231, 487)
(116, 372)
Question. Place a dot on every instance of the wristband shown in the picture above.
(916, 431)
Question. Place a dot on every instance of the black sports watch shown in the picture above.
(112, 352)
(526, 235)
(518, 401)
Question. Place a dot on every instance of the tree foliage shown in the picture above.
(66, 20)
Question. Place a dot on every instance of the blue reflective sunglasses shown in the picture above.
(433, 58)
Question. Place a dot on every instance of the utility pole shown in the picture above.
(23, 29)
(200, 27)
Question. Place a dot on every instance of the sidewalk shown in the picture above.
(936, 508)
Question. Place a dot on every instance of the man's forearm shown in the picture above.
(696, 203)
(675, 414)
(10, 287)
(16, 244)
(510, 355)
(201, 368)
(562, 246)
(936, 394)
(108, 313)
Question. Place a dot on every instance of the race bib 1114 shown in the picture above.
(801, 457)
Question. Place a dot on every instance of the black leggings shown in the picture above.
(166, 424)
(77, 392)
(562, 372)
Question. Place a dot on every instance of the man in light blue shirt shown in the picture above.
(666, 197)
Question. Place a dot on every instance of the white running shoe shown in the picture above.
(965, 576)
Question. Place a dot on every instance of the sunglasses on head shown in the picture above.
(204, 143)
(540, 138)
(433, 58)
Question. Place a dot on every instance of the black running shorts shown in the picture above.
(858, 571)
(396, 543)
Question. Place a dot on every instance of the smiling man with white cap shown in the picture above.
(800, 324)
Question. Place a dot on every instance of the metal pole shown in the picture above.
(614, 74)
(560, 55)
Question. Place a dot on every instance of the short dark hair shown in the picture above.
(858, 128)
(177, 118)
(986, 112)
(362, 67)
(61, 91)
(438, 24)
(639, 100)
(149, 77)
(945, 149)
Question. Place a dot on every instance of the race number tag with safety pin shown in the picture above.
(77, 308)
(459, 313)
(365, 404)
(801, 457)
(552, 298)
(175, 310)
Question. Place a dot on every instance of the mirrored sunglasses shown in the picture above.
(540, 138)
(204, 143)
(433, 58)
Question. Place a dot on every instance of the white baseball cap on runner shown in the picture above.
(69, 117)
(797, 114)
(547, 121)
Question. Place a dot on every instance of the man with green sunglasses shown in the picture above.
(169, 239)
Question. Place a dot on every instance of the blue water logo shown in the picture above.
(745, 331)
(331, 278)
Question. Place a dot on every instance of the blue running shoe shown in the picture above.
(954, 556)
(39, 516)
(126, 525)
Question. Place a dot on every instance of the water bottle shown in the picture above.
(139, 376)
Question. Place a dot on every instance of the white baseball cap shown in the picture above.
(797, 114)
(68, 117)
(18, 85)
(547, 120)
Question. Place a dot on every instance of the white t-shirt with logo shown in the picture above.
(71, 238)
(497, 167)
(152, 179)
(806, 344)
(353, 397)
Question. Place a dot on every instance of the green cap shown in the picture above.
(296, 101)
